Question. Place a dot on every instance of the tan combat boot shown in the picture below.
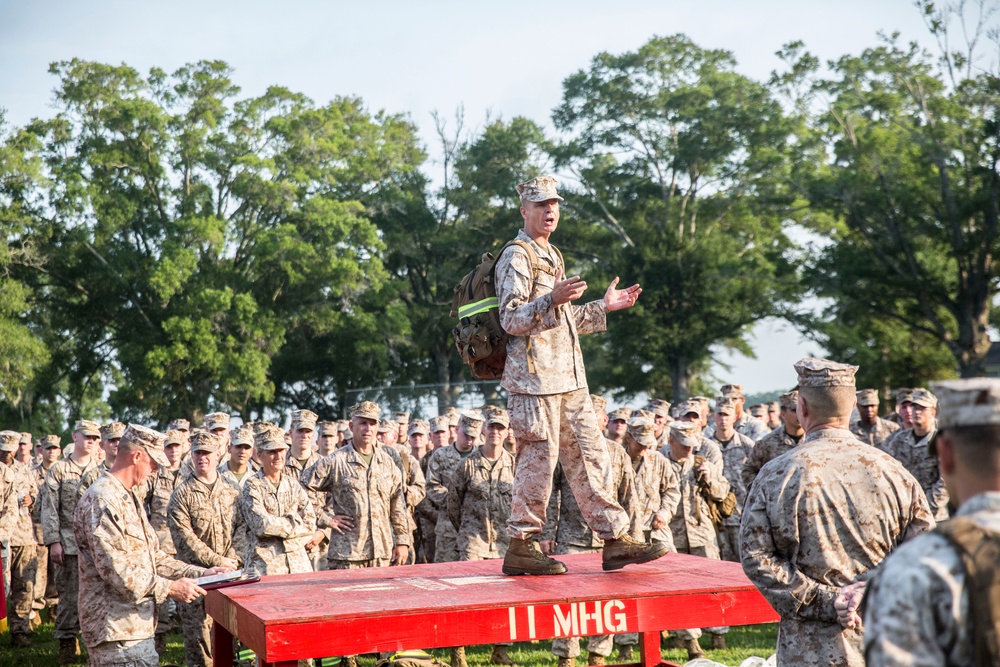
(694, 649)
(523, 557)
(20, 641)
(500, 657)
(675, 641)
(458, 657)
(566, 662)
(625, 653)
(719, 642)
(593, 659)
(626, 551)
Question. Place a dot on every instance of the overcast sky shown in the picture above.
(508, 58)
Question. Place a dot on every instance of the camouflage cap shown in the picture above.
(621, 414)
(304, 419)
(50, 441)
(25, 438)
(815, 372)
(924, 398)
(241, 436)
(685, 433)
(87, 427)
(206, 442)
(645, 414)
(972, 402)
(269, 437)
(401, 417)
(471, 423)
(176, 437)
(641, 430)
(112, 430)
(689, 407)
(599, 402)
(439, 424)
(452, 414)
(179, 425)
(418, 426)
(904, 395)
(9, 441)
(732, 390)
(152, 441)
(789, 399)
(773, 406)
(217, 420)
(758, 410)
(327, 428)
(867, 397)
(659, 407)
(725, 405)
(384, 427)
(367, 410)
(540, 188)
(497, 416)
(344, 426)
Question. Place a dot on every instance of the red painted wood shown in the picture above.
(649, 649)
(348, 612)
(222, 645)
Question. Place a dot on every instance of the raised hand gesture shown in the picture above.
(619, 299)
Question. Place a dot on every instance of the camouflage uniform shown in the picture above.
(59, 502)
(770, 447)
(279, 521)
(912, 452)
(565, 525)
(479, 503)
(816, 520)
(550, 409)
(45, 569)
(441, 470)
(203, 528)
(657, 494)
(734, 455)
(747, 425)
(371, 494)
(90, 477)
(875, 434)
(297, 469)
(124, 574)
(917, 606)
(23, 562)
(156, 497)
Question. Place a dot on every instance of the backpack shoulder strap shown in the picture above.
(979, 550)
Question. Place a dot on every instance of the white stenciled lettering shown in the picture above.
(531, 622)
(595, 617)
(512, 622)
(615, 622)
(562, 621)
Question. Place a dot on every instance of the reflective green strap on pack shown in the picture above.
(470, 309)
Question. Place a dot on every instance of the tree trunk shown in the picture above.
(974, 342)
(680, 379)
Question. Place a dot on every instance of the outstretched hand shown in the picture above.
(618, 299)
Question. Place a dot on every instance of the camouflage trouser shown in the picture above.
(729, 542)
(197, 628)
(561, 428)
(45, 579)
(445, 541)
(138, 653)
(68, 584)
(428, 533)
(22, 587)
(165, 612)
(356, 564)
(569, 647)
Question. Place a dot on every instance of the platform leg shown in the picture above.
(649, 649)
(222, 645)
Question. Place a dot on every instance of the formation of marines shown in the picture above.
(811, 496)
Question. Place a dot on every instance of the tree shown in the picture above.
(680, 161)
(190, 236)
(907, 190)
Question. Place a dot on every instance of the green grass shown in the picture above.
(743, 642)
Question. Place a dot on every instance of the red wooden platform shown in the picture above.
(349, 612)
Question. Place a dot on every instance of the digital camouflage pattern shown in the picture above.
(691, 524)
(917, 606)
(279, 522)
(479, 504)
(561, 428)
(540, 188)
(25, 486)
(747, 425)
(875, 434)
(734, 456)
(22, 561)
(816, 520)
(157, 496)
(657, 493)
(123, 571)
(441, 469)
(770, 447)
(912, 452)
(89, 478)
(59, 502)
(371, 494)
(555, 362)
(564, 522)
